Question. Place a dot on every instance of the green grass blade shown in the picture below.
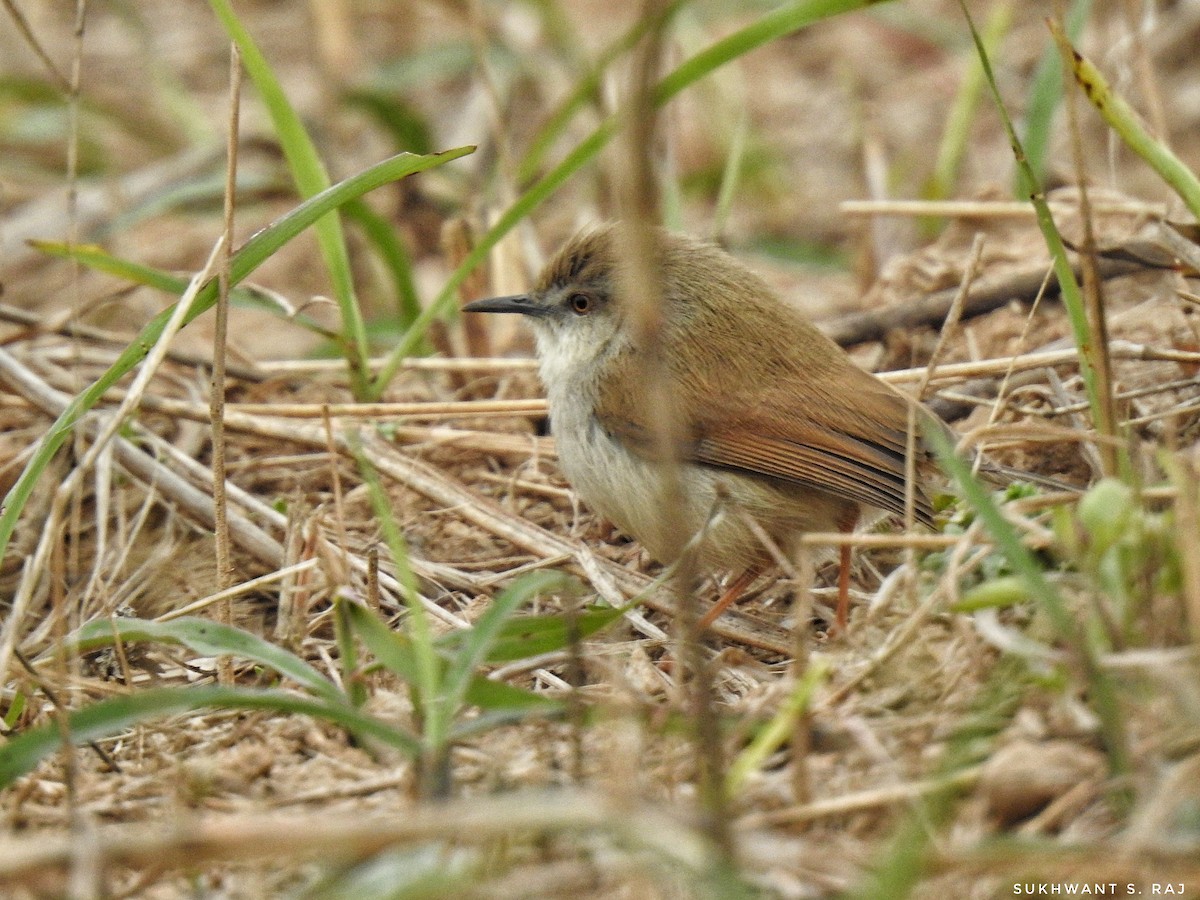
(109, 717)
(535, 635)
(584, 91)
(1020, 558)
(207, 638)
(394, 651)
(505, 701)
(779, 730)
(99, 260)
(246, 260)
(1070, 294)
(204, 193)
(479, 639)
(265, 242)
(427, 671)
(776, 24)
(1045, 97)
(999, 592)
(348, 662)
(16, 709)
(731, 173)
(1128, 125)
(779, 22)
(405, 124)
(311, 178)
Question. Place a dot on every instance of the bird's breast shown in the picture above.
(638, 495)
(606, 475)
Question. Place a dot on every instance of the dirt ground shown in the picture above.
(944, 752)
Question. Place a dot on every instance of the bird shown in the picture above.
(772, 423)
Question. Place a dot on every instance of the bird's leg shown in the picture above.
(846, 526)
(731, 595)
(843, 604)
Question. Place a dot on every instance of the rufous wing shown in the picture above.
(851, 446)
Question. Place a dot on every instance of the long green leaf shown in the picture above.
(98, 259)
(394, 651)
(781, 21)
(427, 674)
(503, 702)
(779, 729)
(246, 260)
(957, 134)
(394, 255)
(585, 91)
(731, 173)
(207, 638)
(110, 717)
(348, 662)
(527, 636)
(311, 178)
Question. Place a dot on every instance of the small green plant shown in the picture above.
(1041, 590)
(455, 660)
(1128, 552)
(1112, 545)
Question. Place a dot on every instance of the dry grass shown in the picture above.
(966, 740)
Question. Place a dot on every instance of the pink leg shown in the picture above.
(731, 595)
(846, 526)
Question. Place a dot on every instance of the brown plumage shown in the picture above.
(772, 415)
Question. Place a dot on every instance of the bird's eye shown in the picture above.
(581, 304)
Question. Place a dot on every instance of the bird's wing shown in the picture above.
(851, 446)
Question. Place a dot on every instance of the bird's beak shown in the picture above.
(517, 303)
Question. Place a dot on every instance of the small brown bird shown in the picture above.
(772, 419)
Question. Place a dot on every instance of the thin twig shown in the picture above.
(861, 801)
(417, 410)
(83, 877)
(245, 587)
(38, 325)
(985, 296)
(224, 560)
(415, 363)
(1092, 287)
(56, 74)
